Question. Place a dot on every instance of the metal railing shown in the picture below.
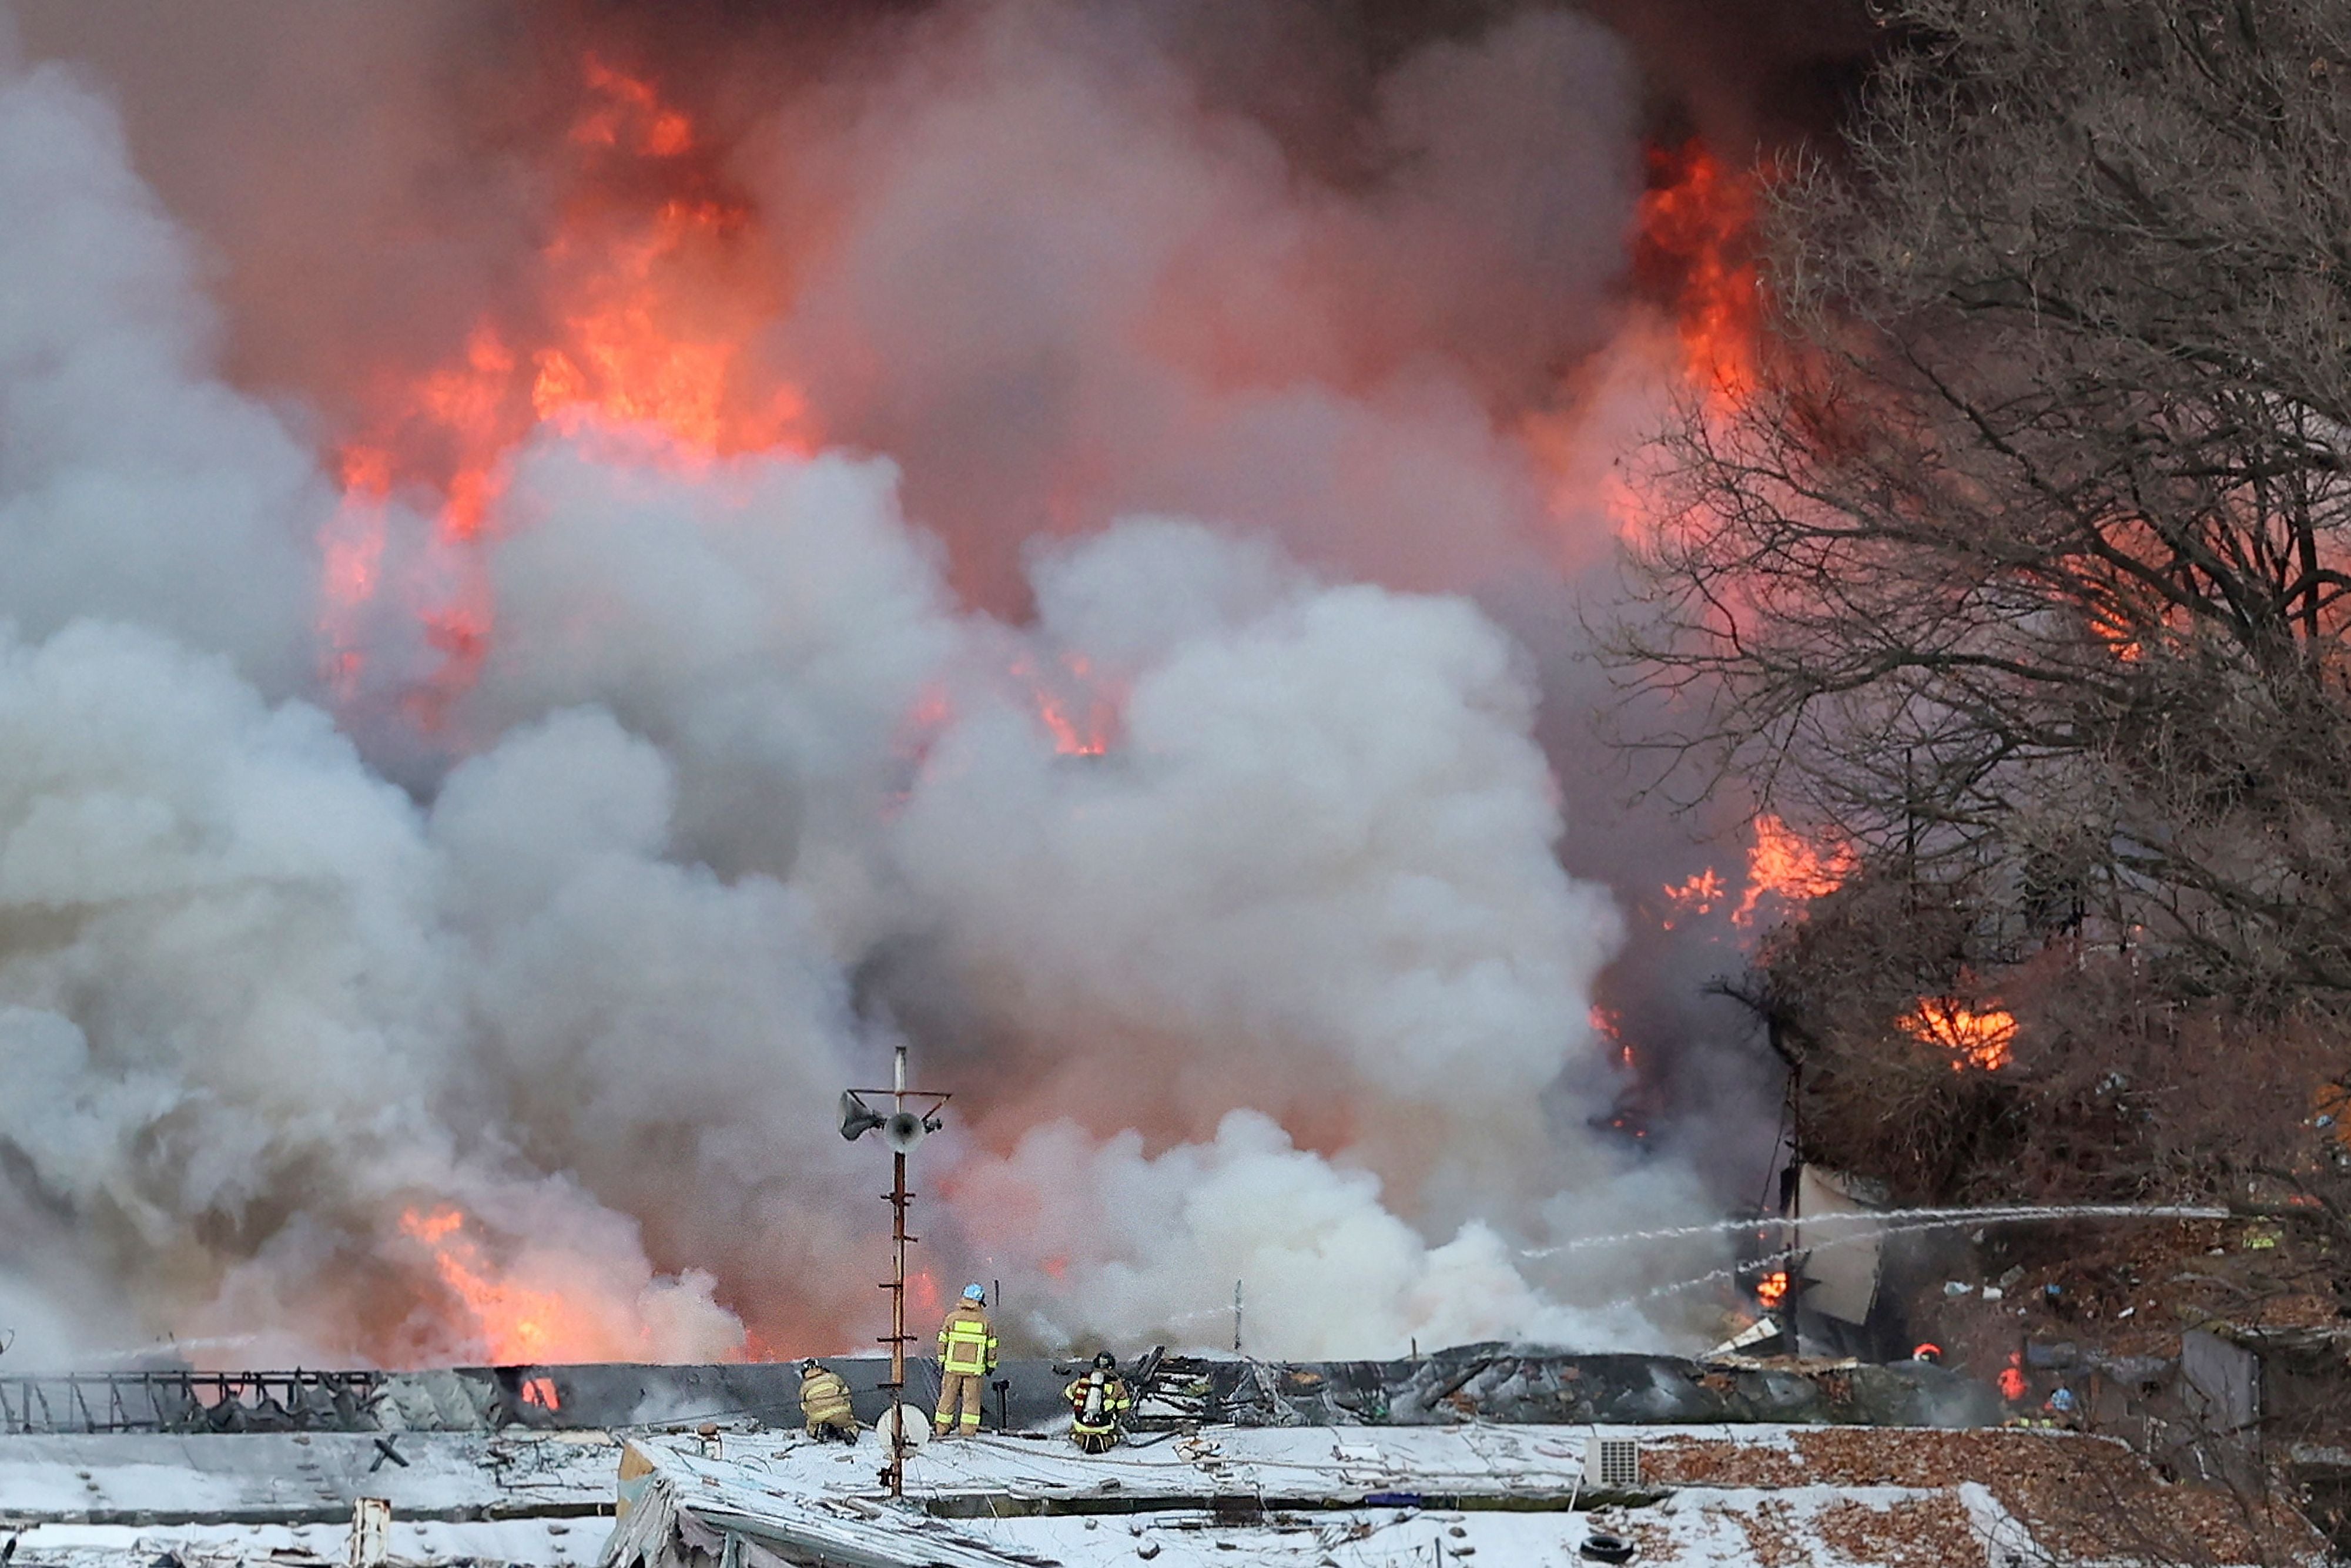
(186, 1401)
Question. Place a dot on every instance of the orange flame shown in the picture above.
(1773, 1289)
(1694, 224)
(2011, 1377)
(647, 303)
(515, 1326)
(1073, 705)
(1694, 896)
(922, 1294)
(2112, 628)
(626, 102)
(1974, 1039)
(1785, 865)
(1068, 738)
(1609, 1025)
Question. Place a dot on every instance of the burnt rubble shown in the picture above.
(1494, 1383)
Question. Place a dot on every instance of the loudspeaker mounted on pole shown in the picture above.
(857, 1118)
(902, 1425)
(903, 1130)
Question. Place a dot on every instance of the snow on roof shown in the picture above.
(555, 1543)
(1902, 1498)
(270, 1477)
(1484, 1492)
(127, 1499)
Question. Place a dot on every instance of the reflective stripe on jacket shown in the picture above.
(824, 1398)
(1115, 1401)
(968, 1343)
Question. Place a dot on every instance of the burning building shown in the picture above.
(575, 576)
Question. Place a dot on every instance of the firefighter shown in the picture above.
(824, 1405)
(967, 1355)
(1097, 1400)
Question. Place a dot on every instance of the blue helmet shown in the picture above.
(974, 1293)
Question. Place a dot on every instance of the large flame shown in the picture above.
(513, 1323)
(647, 292)
(1694, 226)
(1789, 867)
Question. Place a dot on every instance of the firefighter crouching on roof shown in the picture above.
(967, 1355)
(824, 1405)
(1097, 1400)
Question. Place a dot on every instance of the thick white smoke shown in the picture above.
(236, 1025)
(1225, 896)
(131, 484)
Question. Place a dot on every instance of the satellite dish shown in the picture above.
(915, 1424)
(902, 1131)
(857, 1118)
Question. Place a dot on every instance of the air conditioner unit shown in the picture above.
(1613, 1463)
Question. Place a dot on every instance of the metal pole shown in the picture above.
(898, 1322)
(898, 1201)
(1236, 1317)
(857, 1120)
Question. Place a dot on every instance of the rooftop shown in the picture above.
(1356, 1496)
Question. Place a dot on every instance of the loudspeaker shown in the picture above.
(857, 1118)
(902, 1131)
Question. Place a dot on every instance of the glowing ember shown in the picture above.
(1697, 895)
(1609, 1026)
(540, 1392)
(1694, 223)
(1785, 865)
(2012, 1379)
(1974, 1039)
(1773, 1289)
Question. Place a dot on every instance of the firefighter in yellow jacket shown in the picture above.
(967, 1355)
(824, 1405)
(1097, 1401)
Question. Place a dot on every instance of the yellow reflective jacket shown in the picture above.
(1115, 1402)
(824, 1398)
(968, 1343)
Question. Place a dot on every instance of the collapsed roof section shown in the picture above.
(1492, 1383)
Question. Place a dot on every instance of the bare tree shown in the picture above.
(2025, 559)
